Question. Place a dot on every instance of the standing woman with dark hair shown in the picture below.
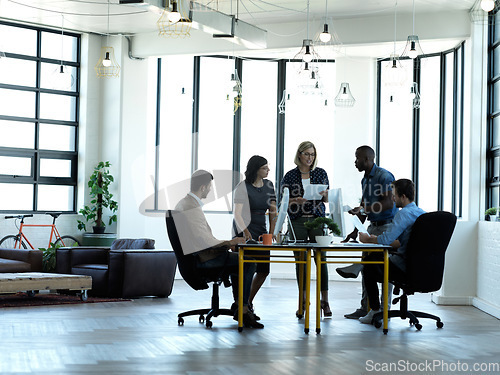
(302, 210)
(253, 198)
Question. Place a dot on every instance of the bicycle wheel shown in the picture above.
(67, 241)
(11, 242)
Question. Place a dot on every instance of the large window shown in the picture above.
(309, 112)
(197, 112)
(425, 142)
(258, 114)
(38, 119)
(493, 153)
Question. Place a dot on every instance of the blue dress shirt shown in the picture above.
(400, 229)
(377, 183)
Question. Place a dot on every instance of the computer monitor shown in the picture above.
(337, 209)
(282, 211)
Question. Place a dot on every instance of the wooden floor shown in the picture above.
(142, 337)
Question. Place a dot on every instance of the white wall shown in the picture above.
(459, 281)
(488, 259)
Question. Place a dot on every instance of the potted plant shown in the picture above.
(327, 225)
(100, 198)
(491, 214)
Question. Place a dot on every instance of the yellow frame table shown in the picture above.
(304, 248)
(350, 247)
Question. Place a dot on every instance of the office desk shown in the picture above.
(275, 258)
(347, 247)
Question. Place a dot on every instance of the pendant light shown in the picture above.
(487, 5)
(307, 53)
(61, 77)
(325, 36)
(174, 16)
(282, 105)
(174, 22)
(107, 66)
(236, 90)
(412, 49)
(344, 98)
(415, 95)
(394, 70)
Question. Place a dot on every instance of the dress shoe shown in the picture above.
(368, 318)
(359, 313)
(250, 307)
(303, 310)
(350, 272)
(325, 309)
(249, 321)
(234, 307)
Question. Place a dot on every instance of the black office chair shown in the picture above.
(196, 278)
(425, 253)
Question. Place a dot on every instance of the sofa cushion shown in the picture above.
(131, 243)
(9, 265)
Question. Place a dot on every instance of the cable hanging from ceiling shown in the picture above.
(107, 66)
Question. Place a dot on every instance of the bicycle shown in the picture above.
(16, 241)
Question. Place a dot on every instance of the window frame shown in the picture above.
(35, 153)
(280, 123)
(493, 150)
(457, 151)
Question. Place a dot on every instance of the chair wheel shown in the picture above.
(209, 324)
(201, 319)
(418, 326)
(439, 324)
(31, 293)
(180, 321)
(299, 316)
(377, 324)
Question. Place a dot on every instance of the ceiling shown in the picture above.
(92, 15)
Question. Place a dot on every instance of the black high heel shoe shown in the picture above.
(325, 309)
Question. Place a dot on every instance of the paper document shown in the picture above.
(311, 192)
(358, 224)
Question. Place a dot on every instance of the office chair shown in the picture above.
(425, 254)
(196, 278)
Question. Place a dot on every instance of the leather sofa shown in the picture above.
(20, 260)
(129, 268)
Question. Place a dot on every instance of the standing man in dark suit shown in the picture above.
(377, 206)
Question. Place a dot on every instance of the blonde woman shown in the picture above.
(302, 210)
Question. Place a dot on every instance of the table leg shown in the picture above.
(240, 289)
(308, 289)
(386, 290)
(318, 291)
(301, 285)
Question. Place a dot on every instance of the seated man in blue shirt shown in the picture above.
(396, 235)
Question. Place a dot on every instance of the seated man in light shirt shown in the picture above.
(196, 237)
(397, 236)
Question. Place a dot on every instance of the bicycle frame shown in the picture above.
(22, 236)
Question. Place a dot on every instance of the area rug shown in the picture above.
(22, 299)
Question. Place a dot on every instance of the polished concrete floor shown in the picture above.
(142, 337)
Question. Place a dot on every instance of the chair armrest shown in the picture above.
(33, 257)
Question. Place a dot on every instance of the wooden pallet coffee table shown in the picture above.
(31, 282)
